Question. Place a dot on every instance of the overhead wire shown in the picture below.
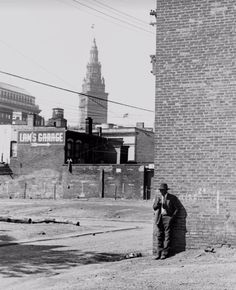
(74, 92)
(98, 16)
(65, 81)
(119, 12)
(68, 107)
(113, 17)
(34, 61)
(73, 109)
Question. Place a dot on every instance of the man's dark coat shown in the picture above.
(171, 205)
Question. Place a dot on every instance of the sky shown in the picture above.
(49, 41)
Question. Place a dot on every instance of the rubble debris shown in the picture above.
(225, 245)
(209, 250)
(15, 220)
(132, 255)
(42, 233)
(37, 221)
(56, 221)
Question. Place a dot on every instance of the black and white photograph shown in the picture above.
(117, 144)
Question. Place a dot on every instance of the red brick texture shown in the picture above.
(195, 123)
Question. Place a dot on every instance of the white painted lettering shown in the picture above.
(61, 137)
(40, 137)
(34, 137)
(44, 137)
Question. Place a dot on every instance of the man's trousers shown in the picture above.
(164, 235)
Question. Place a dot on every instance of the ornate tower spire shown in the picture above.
(94, 52)
(93, 85)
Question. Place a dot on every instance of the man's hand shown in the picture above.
(156, 202)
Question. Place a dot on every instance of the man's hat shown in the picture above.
(164, 186)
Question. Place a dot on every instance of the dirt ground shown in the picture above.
(98, 253)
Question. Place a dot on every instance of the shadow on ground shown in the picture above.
(5, 238)
(20, 260)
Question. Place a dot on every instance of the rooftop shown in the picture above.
(14, 89)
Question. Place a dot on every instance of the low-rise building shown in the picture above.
(27, 145)
(139, 139)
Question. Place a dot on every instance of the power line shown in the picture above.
(73, 109)
(121, 12)
(98, 16)
(113, 17)
(74, 92)
(33, 61)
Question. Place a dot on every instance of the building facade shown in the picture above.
(15, 104)
(55, 145)
(57, 119)
(139, 139)
(53, 162)
(93, 85)
(195, 132)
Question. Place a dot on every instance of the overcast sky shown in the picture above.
(50, 40)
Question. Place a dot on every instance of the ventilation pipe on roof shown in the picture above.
(99, 129)
(88, 125)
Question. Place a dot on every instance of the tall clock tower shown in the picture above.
(93, 85)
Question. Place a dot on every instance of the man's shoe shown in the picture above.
(157, 257)
(163, 257)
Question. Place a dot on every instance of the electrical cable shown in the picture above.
(113, 17)
(121, 12)
(74, 92)
(98, 16)
(34, 62)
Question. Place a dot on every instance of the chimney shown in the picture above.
(140, 125)
(88, 125)
(99, 129)
(30, 120)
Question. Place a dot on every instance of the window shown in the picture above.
(69, 146)
(78, 149)
(13, 149)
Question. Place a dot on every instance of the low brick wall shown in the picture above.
(119, 181)
(85, 181)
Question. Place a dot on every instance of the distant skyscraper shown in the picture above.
(16, 104)
(93, 85)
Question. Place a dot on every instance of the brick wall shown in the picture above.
(120, 181)
(195, 139)
(30, 159)
(85, 181)
(145, 146)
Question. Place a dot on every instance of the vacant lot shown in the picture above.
(62, 255)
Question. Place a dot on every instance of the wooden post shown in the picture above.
(123, 188)
(115, 190)
(25, 189)
(102, 184)
(8, 189)
(54, 191)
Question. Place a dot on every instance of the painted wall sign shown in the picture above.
(41, 137)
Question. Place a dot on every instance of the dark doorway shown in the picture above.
(148, 175)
